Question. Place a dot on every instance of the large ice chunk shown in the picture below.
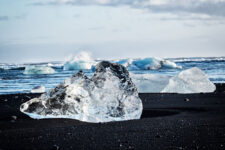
(193, 80)
(109, 95)
(38, 70)
(82, 60)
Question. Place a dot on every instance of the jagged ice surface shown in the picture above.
(193, 80)
(109, 95)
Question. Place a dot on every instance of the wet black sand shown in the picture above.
(169, 121)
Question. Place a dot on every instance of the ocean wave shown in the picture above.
(8, 66)
(38, 70)
(12, 67)
(198, 59)
(55, 65)
(82, 60)
(1, 70)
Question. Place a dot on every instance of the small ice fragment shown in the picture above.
(38, 89)
(187, 99)
(193, 80)
(14, 117)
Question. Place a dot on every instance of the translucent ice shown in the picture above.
(125, 62)
(150, 83)
(150, 63)
(38, 70)
(82, 60)
(38, 89)
(109, 95)
(193, 80)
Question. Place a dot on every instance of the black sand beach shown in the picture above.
(169, 121)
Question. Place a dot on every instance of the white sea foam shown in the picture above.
(9, 66)
(82, 60)
(198, 59)
(38, 70)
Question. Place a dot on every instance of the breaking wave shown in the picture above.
(199, 59)
(82, 60)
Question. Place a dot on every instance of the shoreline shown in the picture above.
(169, 121)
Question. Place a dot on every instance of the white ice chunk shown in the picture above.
(109, 95)
(193, 80)
(38, 70)
(38, 89)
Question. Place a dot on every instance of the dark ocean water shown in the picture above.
(13, 79)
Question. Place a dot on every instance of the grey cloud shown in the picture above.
(208, 7)
(190, 18)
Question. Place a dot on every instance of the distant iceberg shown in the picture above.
(125, 62)
(193, 80)
(81, 61)
(150, 63)
(38, 70)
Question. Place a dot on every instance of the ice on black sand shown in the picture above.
(109, 95)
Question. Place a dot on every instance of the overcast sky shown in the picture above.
(49, 30)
